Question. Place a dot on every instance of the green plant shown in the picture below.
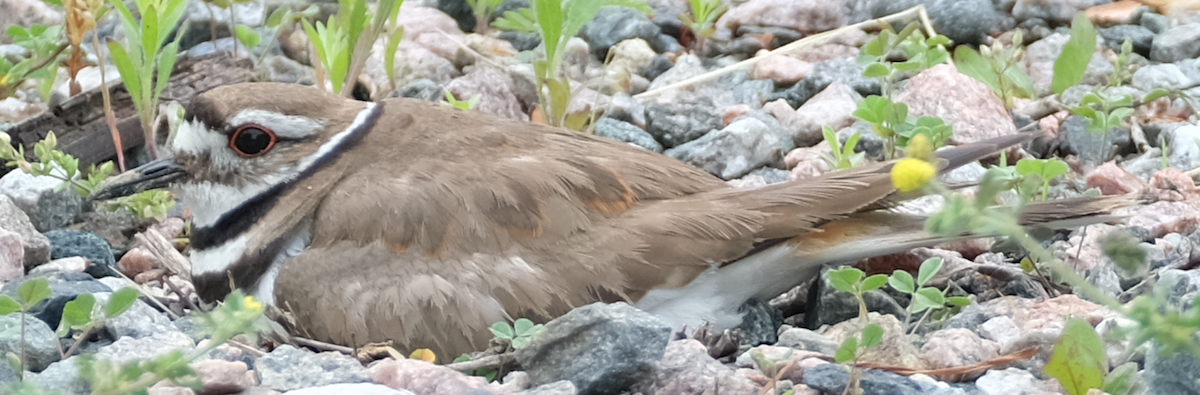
(151, 204)
(466, 105)
(45, 46)
(84, 315)
(892, 121)
(853, 347)
(54, 163)
(29, 294)
(483, 10)
(851, 280)
(999, 68)
(842, 156)
(923, 299)
(921, 53)
(1071, 65)
(341, 46)
(487, 374)
(1122, 67)
(148, 59)
(243, 33)
(1078, 361)
(1044, 170)
(519, 334)
(702, 19)
(556, 21)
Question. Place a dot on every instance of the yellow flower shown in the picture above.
(911, 174)
(919, 147)
(252, 304)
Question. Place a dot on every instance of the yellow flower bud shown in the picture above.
(910, 174)
(919, 147)
(252, 304)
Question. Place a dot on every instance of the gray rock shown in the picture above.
(61, 378)
(496, 90)
(686, 66)
(1174, 373)
(283, 69)
(680, 122)
(1094, 147)
(139, 321)
(1141, 38)
(35, 246)
(753, 92)
(40, 345)
(832, 379)
(188, 324)
(205, 18)
(222, 45)
(1055, 11)
(1157, 23)
(964, 21)
(64, 287)
(601, 348)
(615, 24)
(349, 389)
(423, 89)
(1178, 287)
(804, 339)
(624, 131)
(128, 349)
(1167, 75)
(737, 149)
(834, 306)
(687, 367)
(1177, 43)
(824, 73)
(561, 387)
(1184, 147)
(69, 243)
(760, 323)
(288, 368)
(771, 175)
(36, 196)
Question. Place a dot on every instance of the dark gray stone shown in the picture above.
(1094, 147)
(1157, 23)
(1141, 38)
(64, 287)
(38, 196)
(834, 306)
(964, 21)
(832, 379)
(680, 122)
(624, 131)
(1177, 43)
(760, 323)
(601, 348)
(824, 73)
(615, 24)
(288, 368)
(68, 243)
(1172, 373)
(40, 345)
(734, 151)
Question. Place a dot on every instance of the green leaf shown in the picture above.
(389, 57)
(1071, 65)
(874, 282)
(848, 351)
(959, 301)
(120, 301)
(1078, 361)
(902, 281)
(927, 298)
(876, 70)
(1155, 95)
(872, 335)
(969, 62)
(1121, 380)
(33, 291)
(929, 268)
(502, 330)
(247, 36)
(127, 69)
(845, 279)
(78, 313)
(8, 305)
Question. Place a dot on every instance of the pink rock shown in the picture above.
(1114, 180)
(1162, 218)
(171, 227)
(424, 378)
(834, 107)
(1171, 184)
(953, 347)
(496, 90)
(783, 69)
(749, 181)
(166, 388)
(686, 369)
(807, 162)
(823, 52)
(964, 103)
(808, 16)
(1045, 316)
(429, 27)
(224, 377)
(137, 261)
(12, 256)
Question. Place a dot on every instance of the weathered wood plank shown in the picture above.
(79, 121)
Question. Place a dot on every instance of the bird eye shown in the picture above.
(252, 141)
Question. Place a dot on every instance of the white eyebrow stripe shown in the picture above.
(284, 126)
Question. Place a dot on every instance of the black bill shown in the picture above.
(154, 175)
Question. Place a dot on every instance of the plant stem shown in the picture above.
(109, 117)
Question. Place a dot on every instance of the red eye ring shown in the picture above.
(252, 141)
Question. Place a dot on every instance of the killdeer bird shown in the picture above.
(415, 222)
